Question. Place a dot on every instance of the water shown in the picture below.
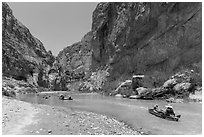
(132, 112)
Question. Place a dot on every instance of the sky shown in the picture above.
(56, 24)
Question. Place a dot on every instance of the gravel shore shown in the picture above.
(19, 117)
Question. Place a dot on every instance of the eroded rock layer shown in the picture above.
(23, 55)
(146, 38)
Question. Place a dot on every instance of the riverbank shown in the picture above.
(19, 117)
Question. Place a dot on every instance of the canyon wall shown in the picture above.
(146, 38)
(23, 56)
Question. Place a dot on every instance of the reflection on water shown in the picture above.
(132, 112)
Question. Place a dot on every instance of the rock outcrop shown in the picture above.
(72, 64)
(180, 85)
(76, 59)
(23, 55)
(154, 39)
(146, 38)
(11, 87)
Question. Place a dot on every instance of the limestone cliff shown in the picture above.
(146, 38)
(23, 55)
(75, 60)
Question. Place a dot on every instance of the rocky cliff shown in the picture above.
(154, 39)
(75, 60)
(146, 38)
(23, 55)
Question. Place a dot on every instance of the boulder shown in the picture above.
(170, 83)
(182, 87)
(141, 90)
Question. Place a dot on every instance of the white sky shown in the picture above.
(56, 24)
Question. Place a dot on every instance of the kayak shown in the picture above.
(161, 114)
(69, 98)
(62, 97)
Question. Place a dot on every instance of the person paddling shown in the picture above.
(169, 110)
(156, 107)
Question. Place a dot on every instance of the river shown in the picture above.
(132, 112)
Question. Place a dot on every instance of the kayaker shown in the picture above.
(169, 110)
(61, 97)
(156, 107)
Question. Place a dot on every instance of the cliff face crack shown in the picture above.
(157, 34)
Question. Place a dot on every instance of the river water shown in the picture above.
(132, 112)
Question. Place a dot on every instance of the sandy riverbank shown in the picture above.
(19, 117)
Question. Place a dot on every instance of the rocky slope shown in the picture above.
(77, 57)
(23, 55)
(154, 39)
(146, 38)
(73, 63)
